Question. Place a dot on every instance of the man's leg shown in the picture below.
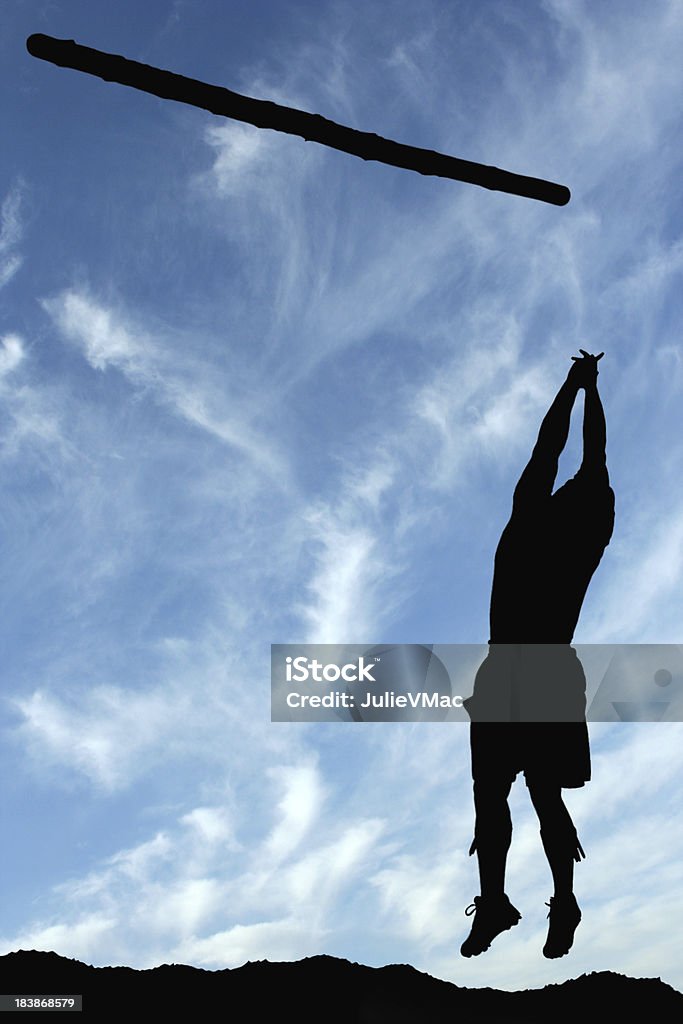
(492, 833)
(492, 837)
(562, 848)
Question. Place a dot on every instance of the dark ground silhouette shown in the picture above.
(324, 988)
(528, 709)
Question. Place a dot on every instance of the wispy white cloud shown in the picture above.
(83, 938)
(11, 353)
(649, 568)
(211, 824)
(289, 939)
(108, 341)
(342, 588)
(417, 897)
(173, 889)
(240, 149)
(620, 91)
(34, 416)
(89, 726)
(298, 807)
(486, 400)
(11, 233)
(102, 735)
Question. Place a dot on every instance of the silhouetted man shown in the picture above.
(529, 700)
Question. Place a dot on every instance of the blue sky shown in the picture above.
(253, 391)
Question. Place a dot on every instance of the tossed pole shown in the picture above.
(265, 114)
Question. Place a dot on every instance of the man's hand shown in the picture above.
(584, 372)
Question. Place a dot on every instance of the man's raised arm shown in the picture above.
(594, 426)
(539, 476)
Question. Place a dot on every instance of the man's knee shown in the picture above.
(558, 832)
